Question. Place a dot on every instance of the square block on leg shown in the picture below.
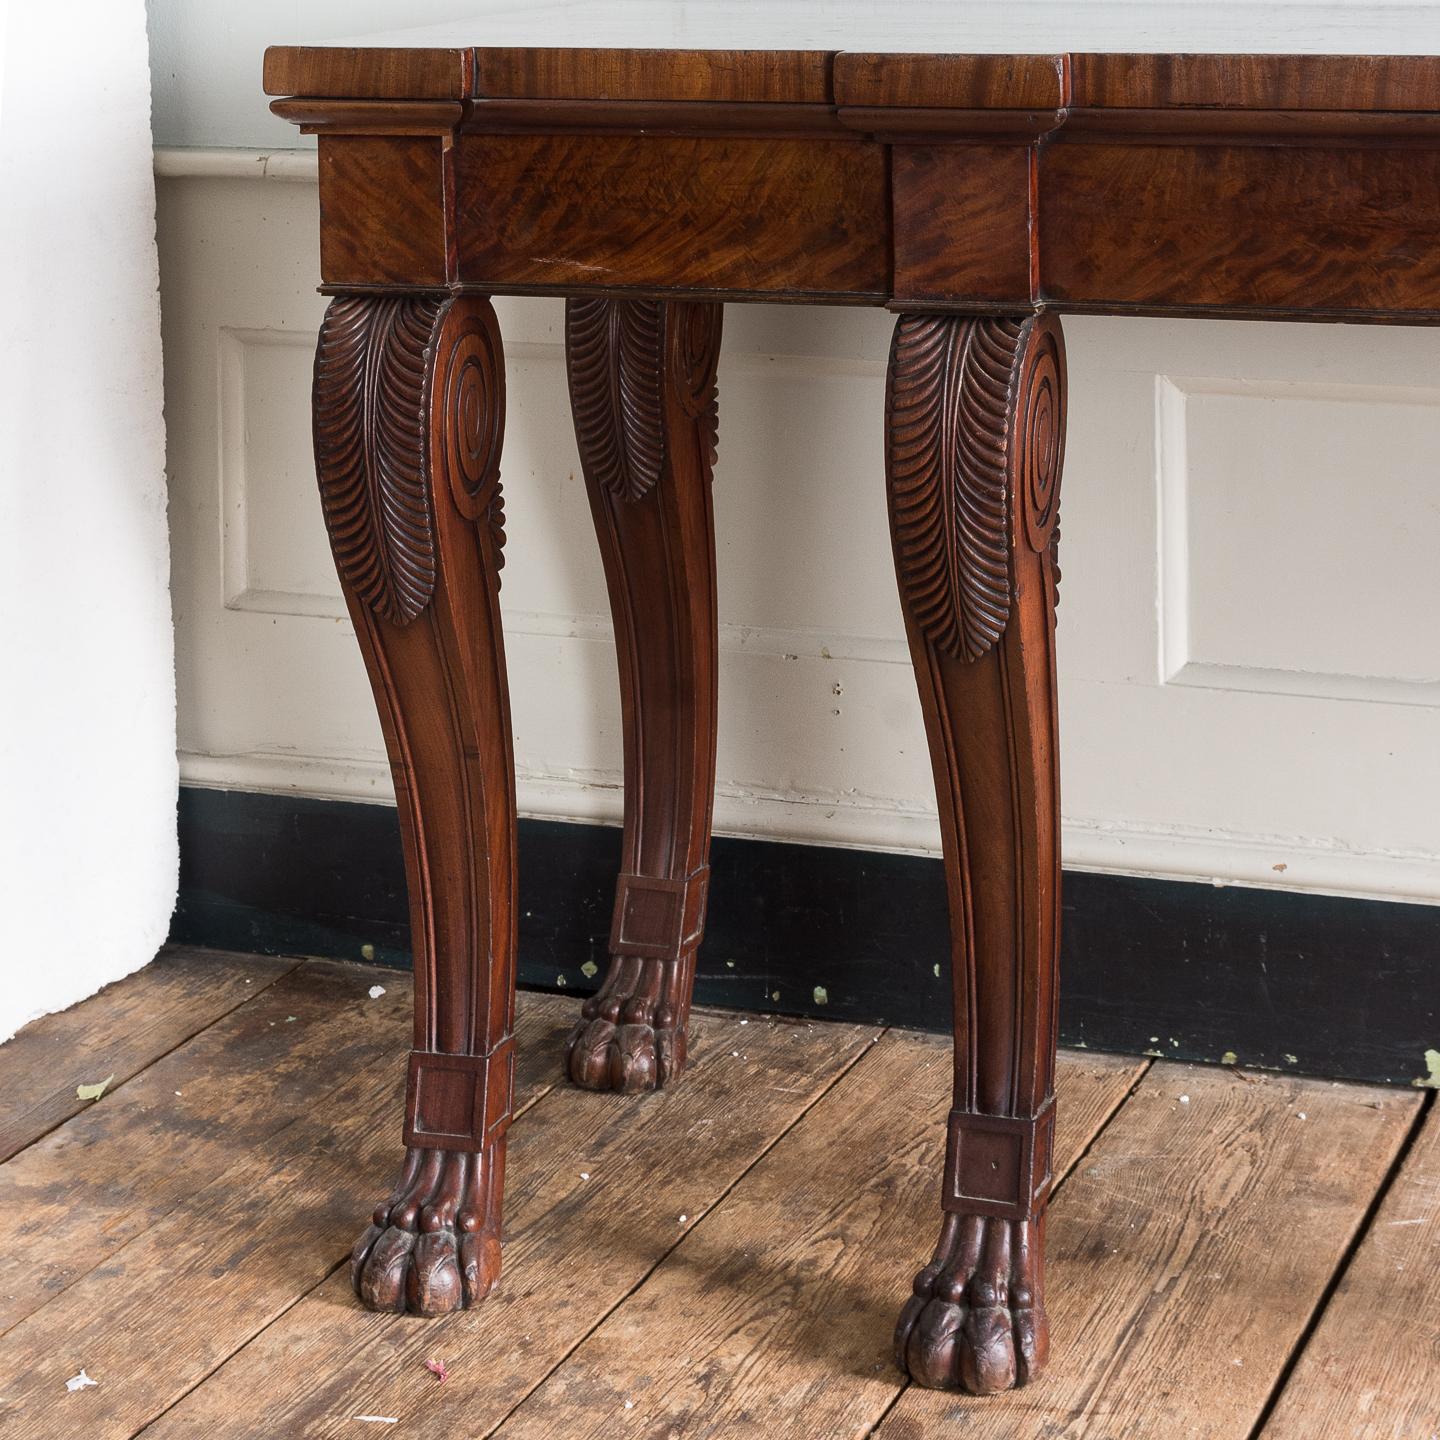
(658, 919)
(999, 1164)
(459, 1102)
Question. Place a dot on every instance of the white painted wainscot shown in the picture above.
(1250, 610)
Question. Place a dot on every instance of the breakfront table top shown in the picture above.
(785, 51)
(1377, 84)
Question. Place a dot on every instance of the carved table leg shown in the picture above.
(409, 412)
(975, 411)
(642, 388)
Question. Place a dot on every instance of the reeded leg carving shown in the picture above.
(643, 393)
(975, 411)
(409, 410)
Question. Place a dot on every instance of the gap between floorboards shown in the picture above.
(1362, 1232)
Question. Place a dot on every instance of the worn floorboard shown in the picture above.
(599, 1188)
(117, 1033)
(1372, 1368)
(1226, 1251)
(778, 1310)
(240, 1246)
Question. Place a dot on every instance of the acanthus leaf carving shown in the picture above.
(950, 390)
(614, 350)
(371, 417)
(626, 358)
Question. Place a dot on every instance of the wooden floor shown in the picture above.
(1231, 1254)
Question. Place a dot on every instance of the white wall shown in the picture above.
(1250, 662)
(87, 731)
(206, 56)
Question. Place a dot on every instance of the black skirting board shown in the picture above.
(1317, 984)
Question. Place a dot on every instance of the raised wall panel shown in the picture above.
(1300, 524)
(274, 555)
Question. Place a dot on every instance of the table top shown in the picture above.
(1375, 83)
(933, 170)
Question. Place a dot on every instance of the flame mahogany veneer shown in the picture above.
(977, 196)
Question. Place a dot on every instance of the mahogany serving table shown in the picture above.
(978, 197)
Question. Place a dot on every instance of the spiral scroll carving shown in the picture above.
(622, 357)
(474, 417)
(976, 433)
(1040, 437)
(694, 358)
(371, 409)
(1040, 433)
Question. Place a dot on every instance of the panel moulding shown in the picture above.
(1175, 598)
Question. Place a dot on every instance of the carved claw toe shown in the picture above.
(632, 1059)
(433, 1285)
(427, 1249)
(479, 1265)
(670, 1053)
(629, 1058)
(932, 1353)
(381, 1282)
(974, 1321)
(589, 1052)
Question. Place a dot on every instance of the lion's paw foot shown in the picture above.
(628, 1038)
(429, 1248)
(976, 1320)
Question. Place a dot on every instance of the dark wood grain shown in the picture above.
(1258, 82)
(1247, 82)
(965, 82)
(1262, 228)
(645, 404)
(930, 122)
(409, 413)
(358, 73)
(383, 209)
(118, 1032)
(753, 76)
(1286, 186)
(980, 192)
(975, 414)
(371, 117)
(1204, 125)
(582, 211)
(653, 117)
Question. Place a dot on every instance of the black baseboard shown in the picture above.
(1311, 983)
